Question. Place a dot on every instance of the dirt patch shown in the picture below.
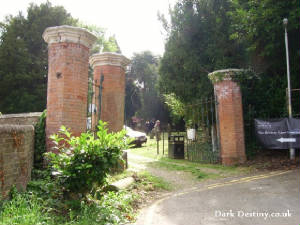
(269, 160)
(178, 179)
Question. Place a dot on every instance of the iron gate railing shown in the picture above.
(94, 102)
(205, 146)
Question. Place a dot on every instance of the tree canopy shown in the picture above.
(197, 43)
(206, 35)
(142, 97)
(24, 58)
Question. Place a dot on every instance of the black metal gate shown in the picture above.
(94, 102)
(202, 139)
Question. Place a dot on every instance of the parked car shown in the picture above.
(139, 137)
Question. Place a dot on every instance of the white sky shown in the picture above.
(134, 22)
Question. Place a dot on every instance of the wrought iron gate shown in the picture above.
(204, 145)
(94, 102)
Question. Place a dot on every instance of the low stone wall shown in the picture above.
(21, 118)
(16, 156)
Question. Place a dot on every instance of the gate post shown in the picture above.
(68, 63)
(230, 114)
(112, 99)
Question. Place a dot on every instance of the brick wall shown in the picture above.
(16, 156)
(21, 118)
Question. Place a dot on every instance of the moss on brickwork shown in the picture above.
(236, 75)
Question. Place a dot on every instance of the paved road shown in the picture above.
(267, 199)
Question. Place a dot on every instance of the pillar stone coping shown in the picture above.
(225, 74)
(69, 34)
(109, 58)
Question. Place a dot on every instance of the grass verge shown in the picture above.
(45, 203)
(198, 170)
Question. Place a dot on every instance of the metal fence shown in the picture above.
(202, 137)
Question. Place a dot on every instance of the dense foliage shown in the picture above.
(23, 57)
(44, 203)
(197, 43)
(259, 25)
(85, 161)
(40, 141)
(142, 97)
(207, 35)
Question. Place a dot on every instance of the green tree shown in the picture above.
(143, 74)
(111, 45)
(197, 43)
(23, 57)
(258, 24)
(132, 99)
(103, 43)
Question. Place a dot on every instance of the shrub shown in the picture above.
(85, 161)
(39, 141)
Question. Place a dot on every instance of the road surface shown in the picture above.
(267, 199)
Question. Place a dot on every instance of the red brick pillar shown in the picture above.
(112, 67)
(68, 63)
(230, 113)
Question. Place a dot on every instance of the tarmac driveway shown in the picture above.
(270, 198)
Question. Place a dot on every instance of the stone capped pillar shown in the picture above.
(68, 63)
(230, 113)
(112, 67)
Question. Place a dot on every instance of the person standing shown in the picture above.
(157, 130)
(157, 133)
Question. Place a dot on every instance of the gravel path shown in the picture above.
(178, 179)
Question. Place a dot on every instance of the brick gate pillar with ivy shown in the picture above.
(68, 63)
(111, 101)
(230, 115)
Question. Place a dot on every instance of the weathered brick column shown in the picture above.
(230, 115)
(68, 63)
(112, 67)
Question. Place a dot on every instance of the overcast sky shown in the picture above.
(134, 22)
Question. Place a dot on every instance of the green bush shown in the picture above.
(40, 141)
(85, 161)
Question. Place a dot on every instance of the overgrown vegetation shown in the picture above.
(142, 97)
(71, 190)
(24, 59)
(208, 35)
(40, 141)
(84, 162)
(43, 203)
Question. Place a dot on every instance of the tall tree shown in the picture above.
(258, 24)
(23, 57)
(198, 42)
(143, 74)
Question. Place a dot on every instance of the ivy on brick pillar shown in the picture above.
(230, 113)
(68, 63)
(112, 66)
